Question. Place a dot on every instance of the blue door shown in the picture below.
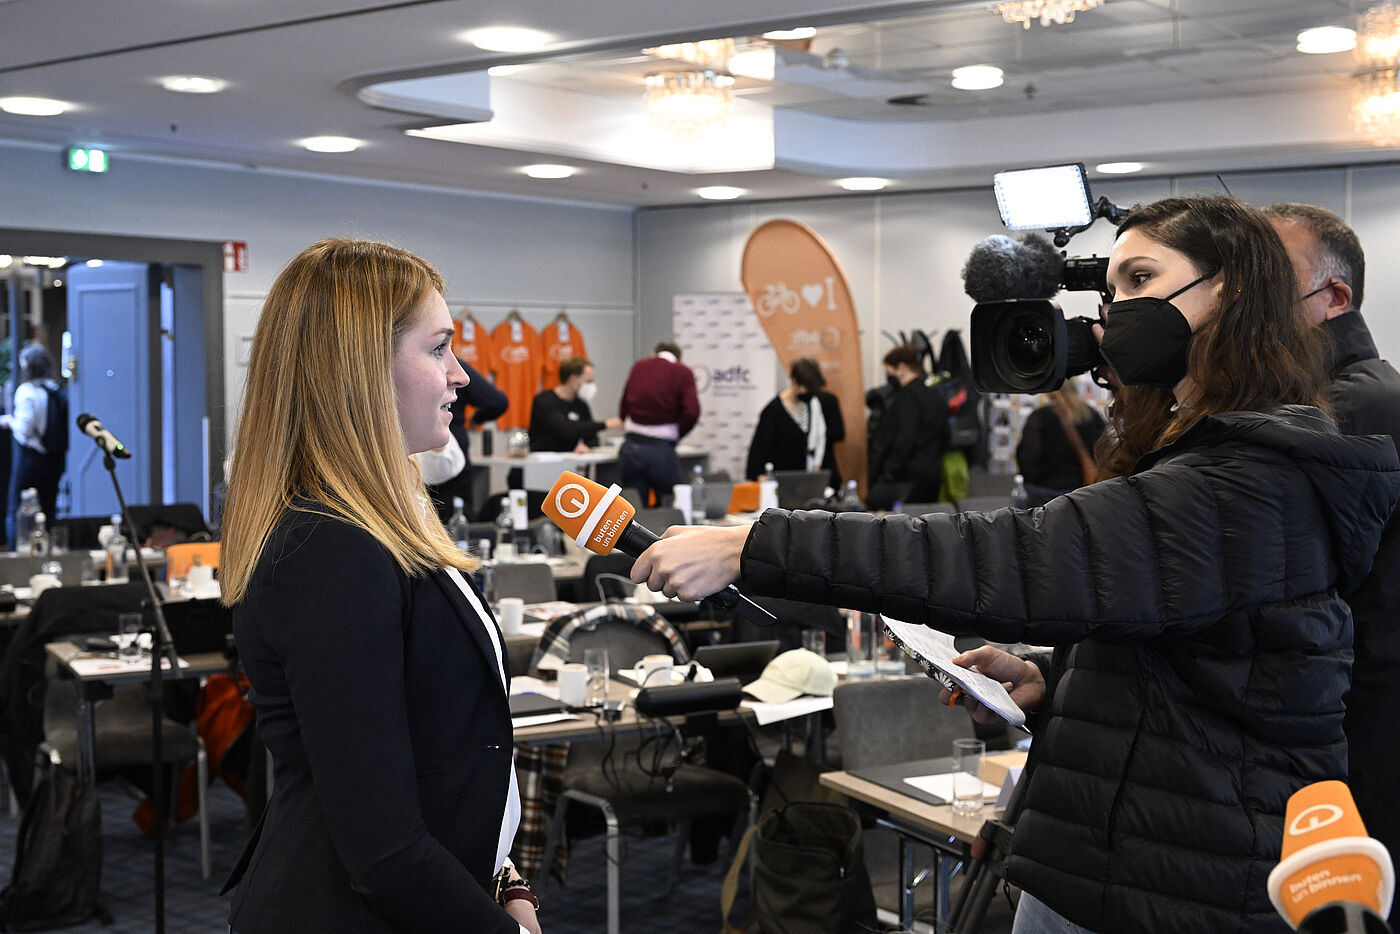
(109, 317)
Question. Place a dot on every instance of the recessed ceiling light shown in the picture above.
(1118, 168)
(758, 62)
(546, 170)
(94, 263)
(863, 184)
(501, 71)
(507, 39)
(977, 77)
(5, 260)
(193, 84)
(1321, 40)
(720, 192)
(330, 144)
(799, 32)
(32, 106)
(52, 262)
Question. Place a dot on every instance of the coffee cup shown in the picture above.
(505, 551)
(200, 579)
(573, 684)
(652, 670)
(510, 613)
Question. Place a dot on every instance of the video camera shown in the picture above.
(1021, 340)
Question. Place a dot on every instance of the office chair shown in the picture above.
(532, 581)
(983, 503)
(612, 781)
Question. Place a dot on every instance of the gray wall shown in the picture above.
(495, 253)
(903, 253)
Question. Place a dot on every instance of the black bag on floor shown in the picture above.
(58, 858)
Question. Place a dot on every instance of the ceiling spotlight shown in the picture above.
(502, 71)
(863, 184)
(50, 262)
(799, 32)
(1321, 40)
(546, 170)
(977, 77)
(32, 106)
(1118, 168)
(193, 84)
(94, 263)
(330, 144)
(720, 192)
(5, 260)
(507, 39)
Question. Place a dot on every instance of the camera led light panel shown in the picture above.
(1044, 198)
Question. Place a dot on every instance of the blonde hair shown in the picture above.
(1069, 403)
(319, 416)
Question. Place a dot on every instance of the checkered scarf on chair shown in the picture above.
(539, 770)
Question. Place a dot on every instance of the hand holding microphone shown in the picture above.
(600, 520)
(1332, 878)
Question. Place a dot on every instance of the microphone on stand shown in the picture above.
(1332, 877)
(602, 521)
(107, 441)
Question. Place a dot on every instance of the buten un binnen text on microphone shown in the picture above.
(1332, 878)
(600, 520)
(105, 439)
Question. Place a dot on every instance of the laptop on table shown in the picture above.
(799, 489)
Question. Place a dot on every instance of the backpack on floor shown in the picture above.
(58, 858)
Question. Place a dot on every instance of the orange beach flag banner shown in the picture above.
(801, 298)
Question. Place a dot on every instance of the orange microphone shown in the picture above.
(1331, 877)
(602, 521)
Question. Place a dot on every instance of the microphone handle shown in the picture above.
(636, 538)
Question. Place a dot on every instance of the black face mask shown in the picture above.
(1146, 340)
(893, 382)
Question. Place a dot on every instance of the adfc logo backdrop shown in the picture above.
(722, 343)
(801, 299)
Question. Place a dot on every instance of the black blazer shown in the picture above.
(378, 697)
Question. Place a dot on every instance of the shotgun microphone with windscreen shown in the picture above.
(105, 439)
(601, 521)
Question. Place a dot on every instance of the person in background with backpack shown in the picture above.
(40, 426)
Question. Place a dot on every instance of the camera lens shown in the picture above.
(1028, 345)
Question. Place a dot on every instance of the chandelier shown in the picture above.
(1376, 111)
(690, 103)
(1047, 11)
(695, 99)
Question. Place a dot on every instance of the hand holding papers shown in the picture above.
(935, 651)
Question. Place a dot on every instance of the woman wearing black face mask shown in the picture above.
(1201, 649)
(800, 427)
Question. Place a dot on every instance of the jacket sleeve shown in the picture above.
(1112, 561)
(334, 606)
(481, 394)
(760, 445)
(835, 423)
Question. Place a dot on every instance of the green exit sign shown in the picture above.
(87, 160)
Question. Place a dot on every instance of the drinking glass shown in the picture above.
(967, 776)
(596, 661)
(814, 640)
(860, 645)
(129, 636)
(58, 540)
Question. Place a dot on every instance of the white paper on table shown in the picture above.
(105, 665)
(526, 684)
(549, 610)
(540, 718)
(935, 651)
(1008, 785)
(941, 786)
(772, 713)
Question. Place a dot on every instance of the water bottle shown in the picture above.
(767, 489)
(505, 545)
(697, 494)
(1019, 499)
(24, 518)
(457, 528)
(39, 538)
(850, 500)
(116, 554)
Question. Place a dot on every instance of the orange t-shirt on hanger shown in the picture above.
(472, 344)
(559, 341)
(516, 362)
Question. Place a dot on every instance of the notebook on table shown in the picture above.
(530, 705)
(800, 489)
(893, 776)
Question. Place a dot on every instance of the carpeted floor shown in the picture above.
(194, 905)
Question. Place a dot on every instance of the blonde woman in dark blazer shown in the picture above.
(378, 673)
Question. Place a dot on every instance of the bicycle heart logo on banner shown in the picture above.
(782, 252)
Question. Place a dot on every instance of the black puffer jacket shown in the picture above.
(1211, 651)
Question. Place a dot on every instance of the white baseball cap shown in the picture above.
(792, 674)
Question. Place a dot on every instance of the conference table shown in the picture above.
(915, 821)
(540, 469)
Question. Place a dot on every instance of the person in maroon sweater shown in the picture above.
(659, 407)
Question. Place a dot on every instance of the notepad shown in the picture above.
(935, 651)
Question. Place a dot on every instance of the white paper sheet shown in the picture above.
(773, 713)
(941, 786)
(935, 651)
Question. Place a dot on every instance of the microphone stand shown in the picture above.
(162, 648)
